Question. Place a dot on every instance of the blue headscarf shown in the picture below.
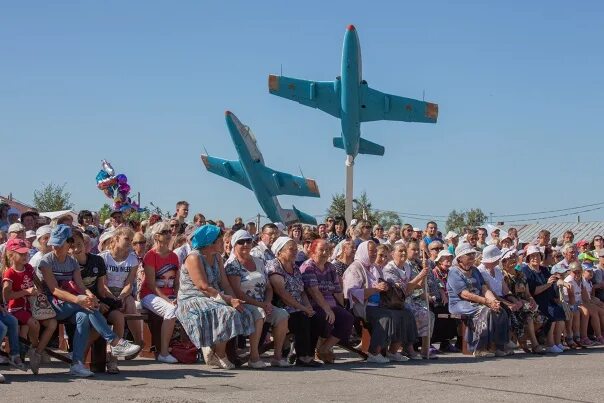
(204, 236)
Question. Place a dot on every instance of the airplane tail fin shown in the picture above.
(293, 215)
(365, 146)
(304, 218)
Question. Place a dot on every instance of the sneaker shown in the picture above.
(224, 363)
(112, 364)
(35, 359)
(553, 350)
(15, 362)
(283, 363)
(585, 342)
(124, 348)
(483, 354)
(256, 364)
(451, 349)
(562, 347)
(133, 356)
(499, 353)
(415, 356)
(78, 369)
(3, 360)
(396, 357)
(510, 345)
(167, 359)
(377, 359)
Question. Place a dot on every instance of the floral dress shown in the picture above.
(205, 320)
(416, 301)
(519, 288)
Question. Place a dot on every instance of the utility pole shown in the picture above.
(258, 223)
(490, 218)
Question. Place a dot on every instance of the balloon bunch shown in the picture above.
(116, 187)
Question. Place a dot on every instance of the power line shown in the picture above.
(549, 211)
(558, 215)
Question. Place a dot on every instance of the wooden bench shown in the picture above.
(464, 327)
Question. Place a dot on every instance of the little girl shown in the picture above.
(18, 283)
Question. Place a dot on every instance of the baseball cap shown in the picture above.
(441, 254)
(59, 235)
(30, 234)
(17, 245)
(450, 235)
(40, 232)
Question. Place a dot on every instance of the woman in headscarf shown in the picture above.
(323, 286)
(249, 281)
(391, 328)
(304, 322)
(470, 295)
(210, 316)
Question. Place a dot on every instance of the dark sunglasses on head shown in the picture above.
(244, 242)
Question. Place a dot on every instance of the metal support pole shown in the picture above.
(349, 182)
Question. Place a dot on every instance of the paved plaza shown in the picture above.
(574, 376)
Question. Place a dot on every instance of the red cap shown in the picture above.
(17, 245)
(582, 242)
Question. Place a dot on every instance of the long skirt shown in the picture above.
(208, 322)
(390, 326)
(421, 312)
(487, 326)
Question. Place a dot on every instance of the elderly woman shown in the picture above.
(322, 283)
(444, 329)
(342, 256)
(73, 302)
(362, 233)
(227, 246)
(406, 270)
(210, 317)
(529, 314)
(286, 279)
(543, 287)
(393, 328)
(249, 281)
(470, 295)
(41, 244)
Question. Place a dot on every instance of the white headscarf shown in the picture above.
(362, 254)
(238, 235)
(279, 244)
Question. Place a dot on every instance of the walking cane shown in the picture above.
(427, 297)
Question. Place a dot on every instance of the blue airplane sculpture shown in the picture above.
(266, 183)
(350, 99)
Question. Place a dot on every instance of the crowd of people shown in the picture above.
(410, 288)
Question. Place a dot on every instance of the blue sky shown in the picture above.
(145, 85)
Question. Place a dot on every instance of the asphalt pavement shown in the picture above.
(576, 376)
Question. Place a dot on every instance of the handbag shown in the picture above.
(393, 298)
(184, 351)
(40, 307)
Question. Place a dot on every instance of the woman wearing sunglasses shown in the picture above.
(249, 282)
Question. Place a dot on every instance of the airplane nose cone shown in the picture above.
(227, 113)
(351, 28)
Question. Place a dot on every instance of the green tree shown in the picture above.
(458, 220)
(362, 209)
(104, 213)
(52, 198)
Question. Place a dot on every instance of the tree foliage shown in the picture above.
(362, 209)
(52, 198)
(105, 213)
(458, 220)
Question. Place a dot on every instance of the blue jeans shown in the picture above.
(82, 318)
(10, 326)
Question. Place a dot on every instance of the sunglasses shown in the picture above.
(165, 232)
(438, 249)
(244, 242)
(597, 239)
(367, 226)
(173, 225)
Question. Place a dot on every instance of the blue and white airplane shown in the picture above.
(350, 99)
(266, 183)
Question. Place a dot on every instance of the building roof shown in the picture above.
(22, 207)
(582, 230)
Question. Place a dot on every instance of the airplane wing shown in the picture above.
(316, 94)
(231, 170)
(376, 105)
(281, 183)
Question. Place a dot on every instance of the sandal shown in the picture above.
(539, 349)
